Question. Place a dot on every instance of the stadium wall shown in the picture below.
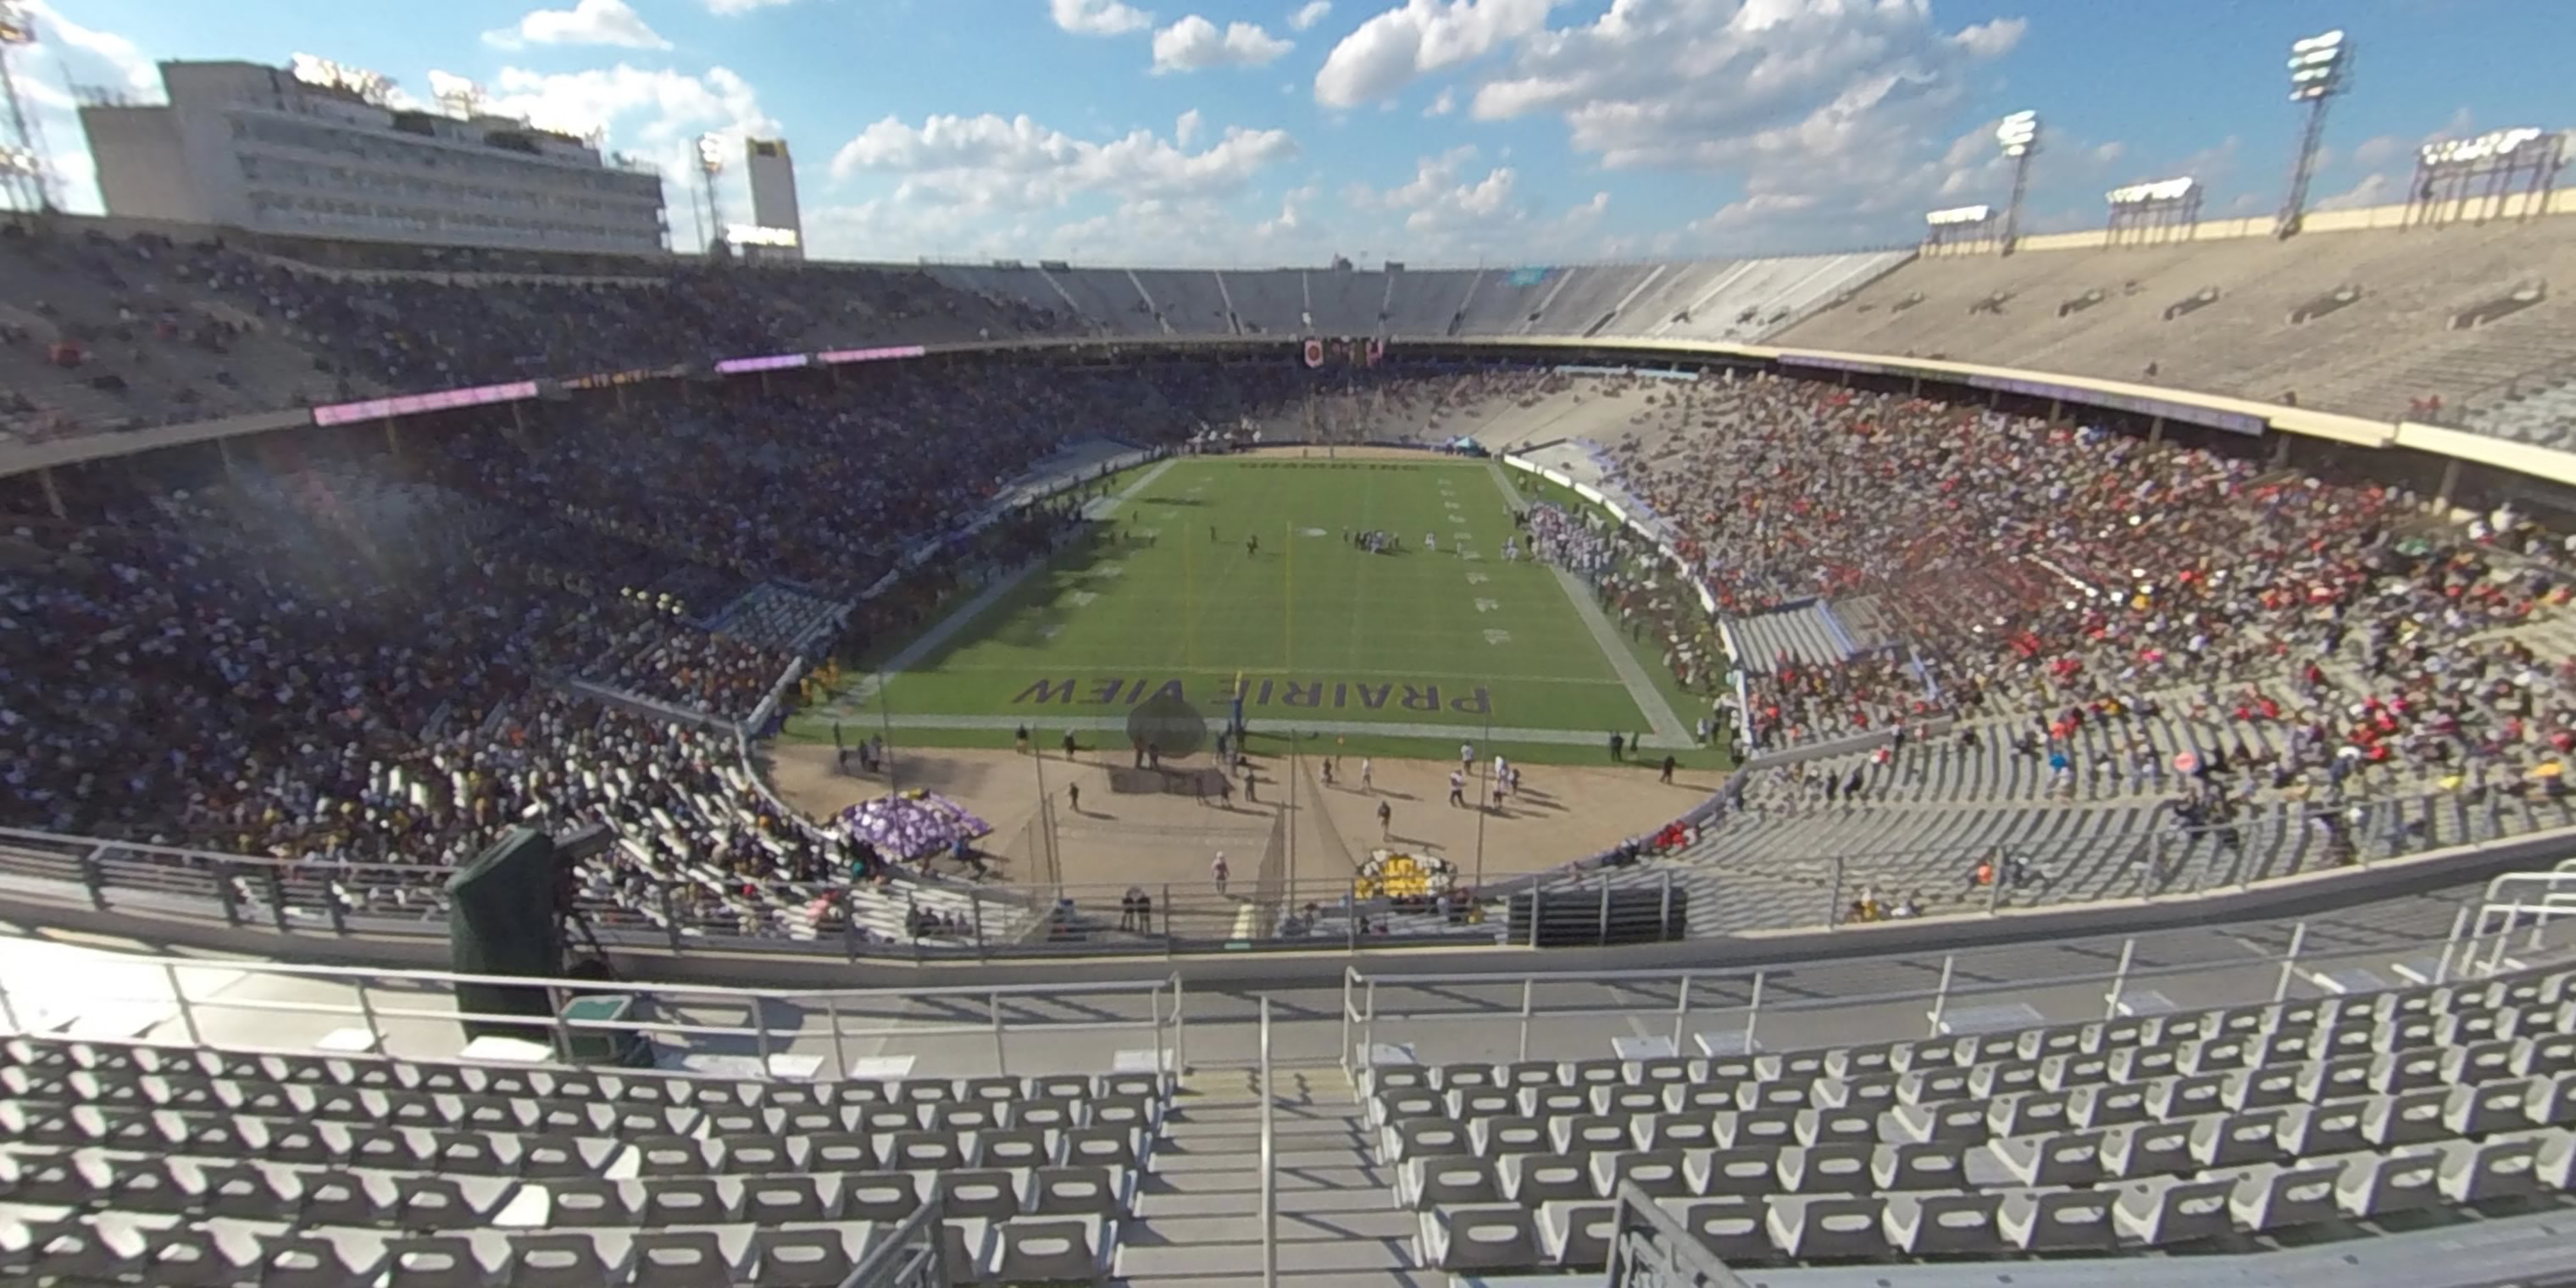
(160, 921)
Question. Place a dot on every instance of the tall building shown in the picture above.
(773, 200)
(317, 150)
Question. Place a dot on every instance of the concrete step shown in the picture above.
(1198, 1214)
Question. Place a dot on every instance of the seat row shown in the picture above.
(501, 1112)
(179, 1255)
(2516, 1169)
(2220, 1038)
(1541, 1167)
(91, 1180)
(225, 1138)
(122, 1062)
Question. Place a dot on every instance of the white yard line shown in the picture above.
(1258, 672)
(1670, 732)
(931, 639)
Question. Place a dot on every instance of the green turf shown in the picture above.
(1366, 648)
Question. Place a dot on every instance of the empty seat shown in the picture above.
(806, 1258)
(1447, 1181)
(776, 1200)
(2057, 1221)
(2481, 1108)
(1532, 1179)
(2231, 1140)
(576, 1202)
(2162, 1212)
(2048, 1159)
(2313, 1131)
(1827, 1226)
(2376, 1186)
(2148, 1149)
(678, 1259)
(1503, 1137)
(1075, 1191)
(1732, 1229)
(450, 1261)
(1921, 1165)
(1669, 1131)
(2412, 1118)
(1054, 1249)
(555, 1261)
(1413, 1138)
(1657, 1173)
(1476, 1237)
(1952, 1122)
(1577, 1236)
(2477, 1172)
(1938, 1224)
(1832, 1168)
(690, 1200)
(2279, 1197)
(879, 1196)
(1755, 1128)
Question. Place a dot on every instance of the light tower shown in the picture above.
(2019, 135)
(710, 164)
(2319, 67)
(24, 175)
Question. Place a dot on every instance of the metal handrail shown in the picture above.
(2459, 957)
(1168, 1021)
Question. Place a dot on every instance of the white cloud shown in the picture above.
(1195, 44)
(2373, 190)
(729, 8)
(988, 163)
(1098, 17)
(653, 115)
(1307, 16)
(1186, 130)
(1394, 48)
(1446, 103)
(588, 22)
(133, 67)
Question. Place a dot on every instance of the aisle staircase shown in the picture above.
(1198, 1216)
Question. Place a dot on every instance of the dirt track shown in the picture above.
(1119, 839)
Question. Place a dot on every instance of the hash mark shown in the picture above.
(1498, 637)
(1477, 579)
(1081, 598)
(1487, 605)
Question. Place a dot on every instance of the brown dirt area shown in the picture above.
(1319, 452)
(1118, 839)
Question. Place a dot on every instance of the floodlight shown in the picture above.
(2160, 190)
(16, 26)
(2491, 146)
(710, 153)
(2017, 133)
(19, 161)
(2316, 66)
(1959, 215)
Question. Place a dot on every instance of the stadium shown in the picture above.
(2026, 758)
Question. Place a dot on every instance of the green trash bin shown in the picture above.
(625, 1047)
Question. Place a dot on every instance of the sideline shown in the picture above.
(865, 690)
(1670, 733)
(1267, 724)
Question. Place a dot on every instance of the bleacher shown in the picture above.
(2113, 313)
(191, 1165)
(2207, 1131)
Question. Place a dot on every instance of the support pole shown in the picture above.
(1941, 999)
(2119, 980)
(2290, 962)
(1269, 1154)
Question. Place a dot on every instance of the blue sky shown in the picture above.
(1434, 131)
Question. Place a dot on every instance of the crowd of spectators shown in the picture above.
(2070, 576)
(349, 650)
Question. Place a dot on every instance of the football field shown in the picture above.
(1206, 579)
